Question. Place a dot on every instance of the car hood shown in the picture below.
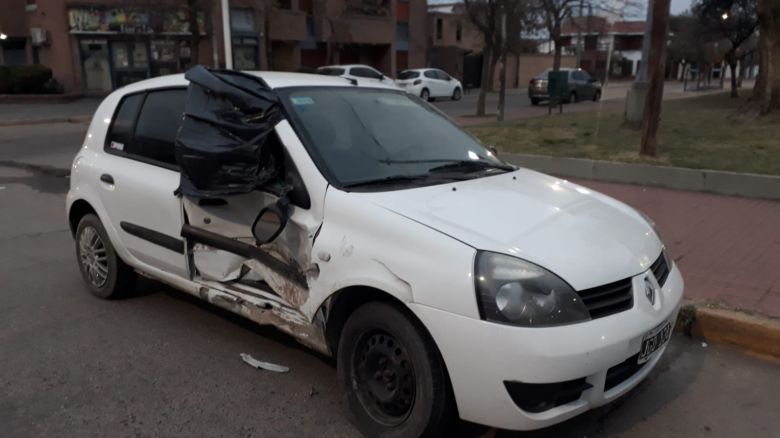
(586, 238)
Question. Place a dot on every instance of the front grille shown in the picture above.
(660, 269)
(608, 299)
(539, 397)
(622, 372)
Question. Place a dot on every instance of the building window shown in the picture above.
(402, 36)
(377, 8)
(283, 4)
(459, 32)
(14, 51)
(242, 25)
(242, 20)
(439, 26)
(402, 11)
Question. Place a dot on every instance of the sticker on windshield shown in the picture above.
(301, 100)
(117, 146)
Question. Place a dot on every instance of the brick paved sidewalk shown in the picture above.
(727, 248)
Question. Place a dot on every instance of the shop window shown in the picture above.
(245, 53)
(242, 20)
(157, 125)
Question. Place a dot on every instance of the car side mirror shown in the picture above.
(269, 223)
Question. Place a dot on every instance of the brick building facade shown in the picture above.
(95, 46)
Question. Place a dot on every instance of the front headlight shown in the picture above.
(513, 291)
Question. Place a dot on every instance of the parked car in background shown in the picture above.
(429, 83)
(581, 86)
(360, 72)
(355, 222)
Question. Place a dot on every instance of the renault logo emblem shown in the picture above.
(649, 290)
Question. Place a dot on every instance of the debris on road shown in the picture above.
(268, 366)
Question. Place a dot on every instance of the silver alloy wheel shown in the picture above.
(92, 255)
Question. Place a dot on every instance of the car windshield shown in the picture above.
(408, 74)
(364, 135)
(330, 71)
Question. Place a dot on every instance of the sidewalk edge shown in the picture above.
(750, 332)
(749, 185)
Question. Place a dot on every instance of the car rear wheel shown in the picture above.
(105, 274)
(597, 96)
(534, 102)
(456, 95)
(425, 95)
(392, 377)
(573, 97)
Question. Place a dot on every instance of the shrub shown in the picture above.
(27, 79)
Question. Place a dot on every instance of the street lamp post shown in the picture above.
(226, 34)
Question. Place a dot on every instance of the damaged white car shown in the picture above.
(369, 227)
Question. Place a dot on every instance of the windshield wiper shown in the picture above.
(393, 179)
(470, 165)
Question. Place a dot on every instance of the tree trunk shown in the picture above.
(655, 73)
(557, 57)
(484, 81)
(492, 73)
(766, 92)
(733, 66)
(502, 72)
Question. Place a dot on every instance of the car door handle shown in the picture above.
(106, 178)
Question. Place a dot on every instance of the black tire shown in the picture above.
(534, 102)
(425, 95)
(597, 96)
(457, 94)
(573, 97)
(105, 274)
(407, 395)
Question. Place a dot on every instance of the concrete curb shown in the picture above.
(698, 180)
(75, 119)
(750, 332)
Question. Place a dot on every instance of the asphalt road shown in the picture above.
(163, 364)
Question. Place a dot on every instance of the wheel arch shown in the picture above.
(78, 210)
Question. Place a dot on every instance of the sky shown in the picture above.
(678, 6)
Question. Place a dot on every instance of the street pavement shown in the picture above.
(164, 364)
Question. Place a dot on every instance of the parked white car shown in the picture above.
(441, 279)
(364, 74)
(430, 83)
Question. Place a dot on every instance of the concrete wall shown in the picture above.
(529, 65)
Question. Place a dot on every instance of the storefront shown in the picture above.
(118, 46)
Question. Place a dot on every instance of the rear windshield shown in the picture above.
(408, 74)
(331, 71)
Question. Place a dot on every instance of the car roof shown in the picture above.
(421, 69)
(274, 79)
(347, 66)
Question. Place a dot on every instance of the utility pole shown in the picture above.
(579, 45)
(502, 74)
(226, 38)
(635, 97)
(655, 72)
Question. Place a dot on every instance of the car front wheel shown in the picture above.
(392, 377)
(456, 94)
(105, 274)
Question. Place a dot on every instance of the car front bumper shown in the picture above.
(482, 356)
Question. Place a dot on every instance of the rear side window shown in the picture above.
(431, 74)
(122, 128)
(408, 74)
(157, 125)
(363, 72)
(443, 76)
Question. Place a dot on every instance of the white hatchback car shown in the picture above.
(369, 227)
(365, 74)
(430, 83)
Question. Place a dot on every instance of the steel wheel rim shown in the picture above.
(93, 257)
(384, 378)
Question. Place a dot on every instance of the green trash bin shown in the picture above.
(557, 86)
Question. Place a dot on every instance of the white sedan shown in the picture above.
(429, 83)
(365, 74)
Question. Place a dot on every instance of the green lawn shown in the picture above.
(704, 132)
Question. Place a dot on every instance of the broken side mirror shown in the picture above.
(269, 223)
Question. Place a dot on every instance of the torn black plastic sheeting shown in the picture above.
(221, 144)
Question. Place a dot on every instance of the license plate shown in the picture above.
(653, 340)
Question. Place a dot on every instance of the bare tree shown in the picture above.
(485, 16)
(552, 14)
(766, 92)
(735, 22)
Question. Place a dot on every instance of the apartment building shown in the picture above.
(95, 46)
